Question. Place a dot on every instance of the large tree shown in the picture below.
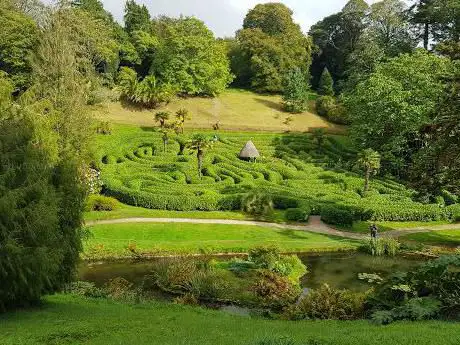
(137, 17)
(269, 45)
(335, 38)
(17, 40)
(190, 58)
(43, 150)
(389, 108)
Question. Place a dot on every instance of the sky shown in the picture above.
(224, 17)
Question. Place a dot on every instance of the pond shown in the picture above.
(340, 270)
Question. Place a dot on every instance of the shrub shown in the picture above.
(175, 274)
(327, 303)
(454, 211)
(274, 291)
(264, 257)
(209, 284)
(257, 204)
(297, 214)
(121, 289)
(324, 104)
(186, 299)
(101, 203)
(86, 289)
(104, 128)
(449, 198)
(381, 246)
(337, 215)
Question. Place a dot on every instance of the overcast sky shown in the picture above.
(224, 17)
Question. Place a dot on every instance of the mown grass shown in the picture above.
(114, 240)
(234, 109)
(445, 238)
(363, 226)
(127, 211)
(66, 319)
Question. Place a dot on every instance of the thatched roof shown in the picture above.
(249, 151)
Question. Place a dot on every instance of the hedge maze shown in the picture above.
(291, 169)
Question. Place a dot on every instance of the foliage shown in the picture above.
(326, 84)
(86, 289)
(326, 303)
(381, 246)
(297, 214)
(269, 45)
(190, 58)
(295, 91)
(199, 143)
(101, 203)
(17, 41)
(369, 160)
(399, 97)
(274, 290)
(338, 215)
(257, 204)
(104, 128)
(430, 290)
(332, 109)
(136, 17)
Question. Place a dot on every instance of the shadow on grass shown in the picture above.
(270, 104)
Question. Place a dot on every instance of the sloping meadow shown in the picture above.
(136, 170)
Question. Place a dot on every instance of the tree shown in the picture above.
(182, 115)
(369, 160)
(319, 136)
(269, 45)
(326, 84)
(162, 117)
(335, 38)
(389, 108)
(44, 144)
(389, 27)
(137, 17)
(199, 143)
(165, 131)
(190, 58)
(296, 91)
(19, 37)
(151, 93)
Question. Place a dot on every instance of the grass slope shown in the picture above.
(112, 240)
(234, 109)
(65, 319)
(446, 238)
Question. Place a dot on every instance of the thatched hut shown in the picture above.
(249, 152)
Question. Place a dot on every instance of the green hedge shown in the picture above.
(297, 214)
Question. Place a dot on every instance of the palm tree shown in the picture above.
(200, 144)
(369, 160)
(182, 115)
(165, 137)
(319, 135)
(162, 117)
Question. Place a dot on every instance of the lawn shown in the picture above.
(363, 226)
(127, 211)
(66, 319)
(113, 240)
(444, 238)
(234, 109)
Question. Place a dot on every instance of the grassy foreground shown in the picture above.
(113, 240)
(65, 319)
(234, 109)
(445, 238)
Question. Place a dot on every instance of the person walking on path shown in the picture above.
(374, 230)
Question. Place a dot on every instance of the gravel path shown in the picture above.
(314, 225)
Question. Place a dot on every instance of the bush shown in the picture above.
(86, 289)
(381, 246)
(101, 203)
(257, 204)
(209, 284)
(104, 128)
(324, 104)
(327, 303)
(274, 291)
(338, 215)
(454, 211)
(297, 214)
(449, 198)
(175, 275)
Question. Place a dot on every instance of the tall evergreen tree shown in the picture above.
(326, 84)
(137, 17)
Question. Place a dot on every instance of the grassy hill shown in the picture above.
(75, 320)
(234, 109)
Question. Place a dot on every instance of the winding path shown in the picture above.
(314, 225)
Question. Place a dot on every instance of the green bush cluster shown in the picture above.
(297, 214)
(333, 110)
(429, 291)
(291, 172)
(101, 203)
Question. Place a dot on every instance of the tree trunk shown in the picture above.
(366, 180)
(199, 155)
(426, 35)
(164, 145)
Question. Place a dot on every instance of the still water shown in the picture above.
(339, 270)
